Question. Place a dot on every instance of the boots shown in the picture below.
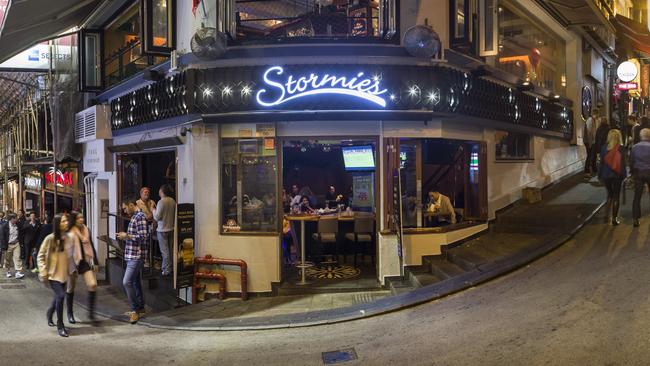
(62, 332)
(69, 298)
(50, 314)
(92, 299)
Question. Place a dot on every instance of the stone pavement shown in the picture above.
(520, 235)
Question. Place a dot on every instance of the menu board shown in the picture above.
(185, 246)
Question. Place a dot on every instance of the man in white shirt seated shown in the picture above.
(440, 208)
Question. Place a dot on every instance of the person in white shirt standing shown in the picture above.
(164, 214)
(9, 233)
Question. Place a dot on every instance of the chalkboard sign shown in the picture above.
(185, 245)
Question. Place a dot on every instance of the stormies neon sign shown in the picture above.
(294, 88)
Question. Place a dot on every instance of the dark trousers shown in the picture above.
(640, 182)
(59, 297)
(613, 186)
(29, 247)
(590, 162)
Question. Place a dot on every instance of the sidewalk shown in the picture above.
(520, 235)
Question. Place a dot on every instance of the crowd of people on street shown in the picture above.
(618, 154)
(61, 250)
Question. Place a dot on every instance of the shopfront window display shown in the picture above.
(512, 146)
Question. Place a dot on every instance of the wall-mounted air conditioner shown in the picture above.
(92, 124)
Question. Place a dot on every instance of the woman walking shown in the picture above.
(612, 172)
(85, 261)
(54, 268)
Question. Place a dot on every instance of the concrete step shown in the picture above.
(444, 269)
(424, 279)
(398, 285)
(470, 257)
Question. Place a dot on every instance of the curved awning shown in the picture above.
(26, 22)
(634, 33)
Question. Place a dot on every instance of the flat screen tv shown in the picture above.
(358, 158)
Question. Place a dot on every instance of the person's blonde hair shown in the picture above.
(645, 134)
(614, 139)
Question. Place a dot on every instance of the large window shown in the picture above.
(512, 146)
(280, 20)
(249, 187)
(527, 49)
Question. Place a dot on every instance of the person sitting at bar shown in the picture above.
(294, 204)
(332, 198)
(305, 206)
(440, 205)
(307, 192)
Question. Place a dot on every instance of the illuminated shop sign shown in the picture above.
(287, 87)
(32, 183)
(62, 178)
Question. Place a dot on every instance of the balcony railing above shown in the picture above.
(272, 21)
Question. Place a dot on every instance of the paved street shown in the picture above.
(585, 303)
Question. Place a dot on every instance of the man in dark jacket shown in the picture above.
(46, 229)
(31, 230)
(21, 219)
(640, 164)
(3, 245)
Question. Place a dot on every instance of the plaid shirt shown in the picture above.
(136, 248)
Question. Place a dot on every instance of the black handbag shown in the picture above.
(83, 266)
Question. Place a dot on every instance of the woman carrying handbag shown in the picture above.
(55, 266)
(85, 260)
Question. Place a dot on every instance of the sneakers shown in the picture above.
(19, 275)
(35, 270)
(134, 317)
(8, 274)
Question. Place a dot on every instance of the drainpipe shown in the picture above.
(208, 259)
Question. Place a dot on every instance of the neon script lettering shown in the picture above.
(294, 88)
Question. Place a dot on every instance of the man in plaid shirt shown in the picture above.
(136, 250)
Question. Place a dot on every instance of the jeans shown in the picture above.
(59, 296)
(640, 181)
(133, 285)
(164, 242)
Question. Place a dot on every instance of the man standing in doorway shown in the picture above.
(145, 203)
(164, 215)
(135, 253)
(9, 233)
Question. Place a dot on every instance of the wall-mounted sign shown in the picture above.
(627, 71)
(627, 86)
(32, 183)
(36, 58)
(282, 88)
(63, 178)
(95, 157)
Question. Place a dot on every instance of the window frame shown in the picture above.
(147, 39)
(465, 39)
(483, 30)
(81, 50)
(531, 151)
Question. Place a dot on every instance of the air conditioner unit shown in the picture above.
(92, 123)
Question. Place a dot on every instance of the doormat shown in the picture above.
(332, 271)
(339, 356)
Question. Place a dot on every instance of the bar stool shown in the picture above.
(326, 233)
(364, 229)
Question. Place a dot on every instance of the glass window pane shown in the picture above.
(512, 145)
(160, 22)
(489, 25)
(407, 157)
(91, 60)
(249, 184)
(460, 18)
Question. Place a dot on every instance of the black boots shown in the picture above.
(92, 299)
(69, 298)
(50, 314)
(63, 332)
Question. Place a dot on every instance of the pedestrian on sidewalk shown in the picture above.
(55, 266)
(640, 166)
(2, 247)
(46, 229)
(31, 230)
(589, 140)
(164, 214)
(11, 243)
(135, 253)
(612, 172)
(21, 233)
(86, 265)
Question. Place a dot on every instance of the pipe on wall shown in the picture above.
(208, 259)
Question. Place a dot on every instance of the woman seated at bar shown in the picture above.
(440, 211)
(305, 206)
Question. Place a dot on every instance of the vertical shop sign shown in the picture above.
(362, 190)
(645, 80)
(185, 245)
